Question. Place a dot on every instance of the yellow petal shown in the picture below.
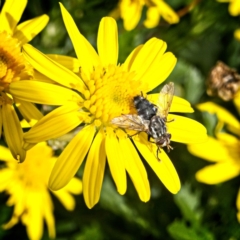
(42, 93)
(55, 124)
(94, 171)
(11, 13)
(164, 168)
(74, 186)
(68, 62)
(86, 54)
(71, 158)
(135, 169)
(13, 132)
(6, 175)
(131, 57)
(178, 104)
(151, 64)
(64, 196)
(28, 111)
(153, 49)
(50, 222)
(42, 78)
(34, 218)
(51, 69)
(211, 150)
(25, 124)
(218, 173)
(153, 17)
(131, 12)
(13, 221)
(116, 163)
(27, 30)
(66, 199)
(5, 154)
(45, 151)
(166, 11)
(227, 139)
(107, 41)
(186, 130)
(28, 146)
(159, 74)
(234, 8)
(222, 114)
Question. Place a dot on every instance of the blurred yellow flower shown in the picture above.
(237, 34)
(131, 11)
(13, 67)
(234, 7)
(108, 92)
(26, 183)
(223, 151)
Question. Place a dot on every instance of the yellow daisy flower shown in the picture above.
(130, 11)
(223, 150)
(234, 7)
(224, 117)
(108, 92)
(13, 67)
(29, 193)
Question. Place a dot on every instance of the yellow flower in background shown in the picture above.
(107, 91)
(234, 7)
(26, 183)
(237, 34)
(223, 151)
(13, 67)
(224, 117)
(131, 11)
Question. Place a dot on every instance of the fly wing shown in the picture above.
(165, 100)
(132, 122)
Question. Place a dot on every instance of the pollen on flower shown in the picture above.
(110, 92)
(97, 123)
(13, 66)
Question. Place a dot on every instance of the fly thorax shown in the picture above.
(145, 109)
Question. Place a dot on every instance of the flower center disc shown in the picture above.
(13, 66)
(110, 94)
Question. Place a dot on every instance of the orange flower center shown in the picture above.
(13, 66)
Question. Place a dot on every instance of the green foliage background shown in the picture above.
(199, 211)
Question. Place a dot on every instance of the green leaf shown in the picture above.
(180, 231)
(188, 202)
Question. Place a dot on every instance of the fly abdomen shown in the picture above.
(157, 127)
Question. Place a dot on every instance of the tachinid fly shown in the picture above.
(150, 118)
